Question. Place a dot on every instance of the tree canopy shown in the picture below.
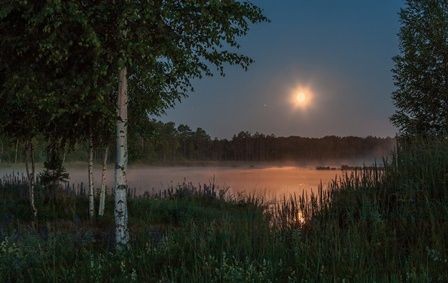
(63, 56)
(421, 70)
(50, 72)
(70, 63)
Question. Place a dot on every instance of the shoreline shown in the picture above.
(342, 164)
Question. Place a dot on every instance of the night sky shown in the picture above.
(341, 50)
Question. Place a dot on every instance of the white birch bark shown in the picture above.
(90, 171)
(31, 176)
(121, 210)
(103, 184)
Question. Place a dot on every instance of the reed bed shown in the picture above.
(371, 225)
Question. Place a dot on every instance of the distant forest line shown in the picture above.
(155, 141)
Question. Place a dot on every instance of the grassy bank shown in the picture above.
(371, 226)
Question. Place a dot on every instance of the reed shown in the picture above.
(370, 225)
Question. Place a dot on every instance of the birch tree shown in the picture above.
(102, 203)
(50, 60)
(155, 47)
(121, 210)
(21, 118)
(50, 57)
(159, 47)
(31, 175)
(90, 173)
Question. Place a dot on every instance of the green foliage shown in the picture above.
(166, 44)
(420, 71)
(164, 142)
(152, 141)
(371, 226)
(50, 74)
(54, 172)
(60, 60)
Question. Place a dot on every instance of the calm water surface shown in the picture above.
(268, 181)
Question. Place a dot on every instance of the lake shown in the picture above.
(270, 181)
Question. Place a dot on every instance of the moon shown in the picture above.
(301, 97)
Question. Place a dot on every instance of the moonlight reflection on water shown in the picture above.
(268, 181)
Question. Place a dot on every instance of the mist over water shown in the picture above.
(267, 180)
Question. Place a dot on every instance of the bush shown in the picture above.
(370, 225)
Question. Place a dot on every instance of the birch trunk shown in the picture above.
(31, 176)
(17, 148)
(90, 169)
(103, 184)
(121, 210)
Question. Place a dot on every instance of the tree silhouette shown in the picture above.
(421, 70)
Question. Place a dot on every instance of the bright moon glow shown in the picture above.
(301, 97)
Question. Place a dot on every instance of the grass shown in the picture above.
(370, 226)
